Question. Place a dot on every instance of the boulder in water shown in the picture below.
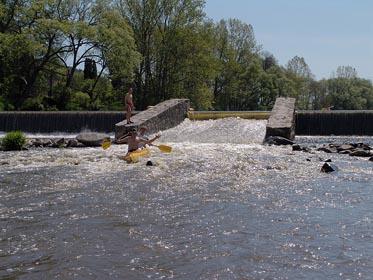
(277, 140)
(72, 143)
(151, 163)
(328, 167)
(92, 139)
(360, 153)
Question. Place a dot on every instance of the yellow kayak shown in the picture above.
(133, 156)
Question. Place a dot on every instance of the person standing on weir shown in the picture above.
(129, 105)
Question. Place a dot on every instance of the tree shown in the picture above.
(301, 74)
(17, 53)
(97, 33)
(175, 50)
(298, 67)
(55, 37)
(347, 72)
(90, 69)
(237, 52)
(350, 93)
(269, 61)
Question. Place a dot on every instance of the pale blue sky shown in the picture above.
(326, 33)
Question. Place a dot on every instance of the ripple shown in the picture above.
(213, 208)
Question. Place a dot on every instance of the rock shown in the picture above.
(92, 139)
(72, 143)
(326, 150)
(80, 145)
(345, 147)
(277, 140)
(345, 152)
(47, 142)
(296, 147)
(37, 142)
(60, 142)
(371, 159)
(328, 167)
(360, 153)
(363, 146)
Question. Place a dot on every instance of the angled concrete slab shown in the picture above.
(282, 119)
(162, 116)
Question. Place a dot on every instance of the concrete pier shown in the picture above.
(162, 116)
(282, 119)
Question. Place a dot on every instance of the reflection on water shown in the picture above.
(220, 206)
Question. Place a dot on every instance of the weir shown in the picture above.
(320, 122)
(48, 122)
(338, 122)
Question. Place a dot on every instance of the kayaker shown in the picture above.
(143, 135)
(134, 141)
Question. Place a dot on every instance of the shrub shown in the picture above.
(79, 101)
(13, 141)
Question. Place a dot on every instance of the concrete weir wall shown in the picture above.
(282, 119)
(59, 121)
(334, 122)
(162, 116)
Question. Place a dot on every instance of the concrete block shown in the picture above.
(282, 119)
(162, 116)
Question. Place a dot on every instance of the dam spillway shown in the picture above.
(61, 121)
(334, 122)
(320, 122)
(309, 122)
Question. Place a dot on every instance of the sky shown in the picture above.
(326, 33)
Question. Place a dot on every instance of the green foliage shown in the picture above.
(13, 141)
(350, 93)
(79, 101)
(235, 85)
(42, 44)
(32, 104)
(176, 51)
(166, 49)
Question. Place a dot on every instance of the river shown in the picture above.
(220, 206)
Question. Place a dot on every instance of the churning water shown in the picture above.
(220, 206)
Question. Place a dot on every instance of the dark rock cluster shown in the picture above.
(352, 149)
(89, 139)
(53, 143)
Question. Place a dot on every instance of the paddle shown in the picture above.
(164, 148)
(106, 144)
(167, 149)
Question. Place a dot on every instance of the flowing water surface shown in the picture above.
(220, 206)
